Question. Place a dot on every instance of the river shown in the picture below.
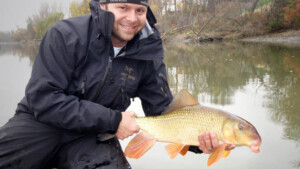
(259, 82)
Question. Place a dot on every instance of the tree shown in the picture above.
(77, 9)
(5, 36)
(44, 24)
(292, 14)
(253, 6)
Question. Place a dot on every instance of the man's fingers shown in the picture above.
(203, 146)
(132, 113)
(128, 125)
(201, 140)
(230, 147)
(207, 140)
(214, 140)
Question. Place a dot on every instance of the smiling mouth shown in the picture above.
(129, 28)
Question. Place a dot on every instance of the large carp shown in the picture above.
(181, 124)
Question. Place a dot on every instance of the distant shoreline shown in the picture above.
(31, 42)
(290, 37)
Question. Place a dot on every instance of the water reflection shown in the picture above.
(220, 70)
(217, 72)
(20, 50)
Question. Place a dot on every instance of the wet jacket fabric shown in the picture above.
(77, 84)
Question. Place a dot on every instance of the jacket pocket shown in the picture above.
(78, 86)
(121, 99)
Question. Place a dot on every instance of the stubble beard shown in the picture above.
(123, 37)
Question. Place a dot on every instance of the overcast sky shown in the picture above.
(14, 13)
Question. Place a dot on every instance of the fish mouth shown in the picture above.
(255, 146)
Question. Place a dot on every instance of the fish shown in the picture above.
(182, 122)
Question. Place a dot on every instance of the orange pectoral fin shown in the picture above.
(225, 153)
(216, 155)
(138, 146)
(174, 149)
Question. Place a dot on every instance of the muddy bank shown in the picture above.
(290, 38)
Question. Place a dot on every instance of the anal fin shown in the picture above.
(138, 146)
(184, 150)
(174, 149)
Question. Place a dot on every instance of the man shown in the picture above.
(84, 75)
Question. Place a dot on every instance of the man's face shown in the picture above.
(129, 20)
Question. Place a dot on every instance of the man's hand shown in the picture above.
(209, 142)
(127, 126)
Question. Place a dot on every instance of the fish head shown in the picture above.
(240, 132)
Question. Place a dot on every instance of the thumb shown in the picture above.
(133, 114)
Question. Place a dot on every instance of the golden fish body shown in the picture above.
(184, 125)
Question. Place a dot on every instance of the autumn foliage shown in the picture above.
(231, 18)
(292, 14)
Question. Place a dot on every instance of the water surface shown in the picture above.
(259, 82)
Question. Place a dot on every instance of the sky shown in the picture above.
(14, 13)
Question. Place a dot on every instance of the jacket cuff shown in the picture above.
(115, 122)
(195, 149)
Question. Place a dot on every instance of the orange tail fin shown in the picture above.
(174, 149)
(216, 155)
(138, 146)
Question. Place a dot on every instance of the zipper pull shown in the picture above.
(83, 87)
(109, 66)
(164, 87)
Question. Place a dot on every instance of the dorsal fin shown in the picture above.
(183, 98)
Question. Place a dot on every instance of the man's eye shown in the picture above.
(140, 11)
(122, 8)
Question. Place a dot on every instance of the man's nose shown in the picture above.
(132, 16)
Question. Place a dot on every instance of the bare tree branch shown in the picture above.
(175, 30)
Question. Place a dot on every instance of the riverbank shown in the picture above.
(287, 38)
(291, 37)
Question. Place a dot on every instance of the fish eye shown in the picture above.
(241, 127)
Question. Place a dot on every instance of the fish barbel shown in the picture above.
(181, 124)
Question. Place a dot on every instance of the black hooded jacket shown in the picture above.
(77, 84)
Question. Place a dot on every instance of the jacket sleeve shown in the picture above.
(154, 90)
(46, 91)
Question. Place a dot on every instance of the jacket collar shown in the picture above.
(104, 20)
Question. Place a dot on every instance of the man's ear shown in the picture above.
(103, 6)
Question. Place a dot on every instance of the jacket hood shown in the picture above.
(146, 45)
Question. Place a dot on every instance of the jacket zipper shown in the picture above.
(101, 86)
(109, 66)
(121, 91)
